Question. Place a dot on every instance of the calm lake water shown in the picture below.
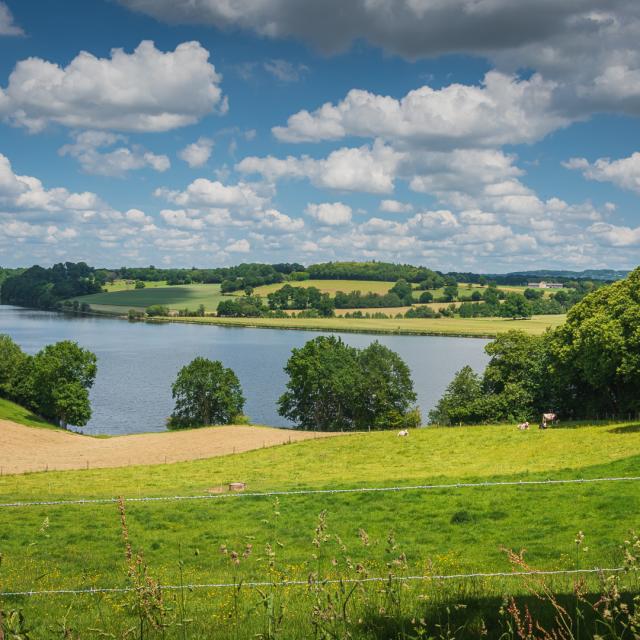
(138, 362)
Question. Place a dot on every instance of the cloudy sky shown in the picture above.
(486, 135)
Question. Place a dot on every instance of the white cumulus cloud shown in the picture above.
(368, 169)
(197, 153)
(146, 90)
(117, 162)
(330, 213)
(624, 172)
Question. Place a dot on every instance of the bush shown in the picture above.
(157, 310)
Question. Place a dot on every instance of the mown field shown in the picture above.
(480, 327)
(176, 297)
(443, 531)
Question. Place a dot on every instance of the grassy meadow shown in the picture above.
(443, 531)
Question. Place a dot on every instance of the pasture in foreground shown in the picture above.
(443, 531)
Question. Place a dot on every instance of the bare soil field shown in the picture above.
(26, 449)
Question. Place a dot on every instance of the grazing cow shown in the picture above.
(403, 433)
(523, 426)
(549, 417)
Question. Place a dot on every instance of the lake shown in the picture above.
(138, 362)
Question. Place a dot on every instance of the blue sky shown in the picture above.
(486, 135)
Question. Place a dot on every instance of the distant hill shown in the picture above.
(587, 274)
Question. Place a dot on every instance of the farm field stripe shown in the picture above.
(299, 583)
(302, 492)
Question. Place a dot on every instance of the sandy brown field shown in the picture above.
(29, 449)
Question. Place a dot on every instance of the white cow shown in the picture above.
(403, 433)
(523, 426)
(549, 417)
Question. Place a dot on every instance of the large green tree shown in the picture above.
(61, 375)
(205, 393)
(596, 353)
(333, 386)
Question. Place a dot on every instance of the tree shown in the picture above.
(71, 404)
(11, 359)
(140, 284)
(386, 394)
(205, 393)
(426, 296)
(458, 405)
(476, 296)
(515, 306)
(450, 293)
(61, 377)
(323, 378)
(333, 386)
(596, 353)
(403, 290)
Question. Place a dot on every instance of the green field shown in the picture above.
(478, 327)
(442, 531)
(176, 297)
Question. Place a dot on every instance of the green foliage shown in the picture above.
(458, 405)
(157, 310)
(300, 298)
(45, 288)
(370, 271)
(54, 383)
(450, 293)
(140, 284)
(61, 376)
(404, 291)
(515, 306)
(205, 393)
(586, 368)
(245, 307)
(11, 361)
(358, 300)
(426, 296)
(333, 386)
(597, 351)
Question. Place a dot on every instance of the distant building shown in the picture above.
(545, 285)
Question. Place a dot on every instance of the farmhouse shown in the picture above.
(545, 285)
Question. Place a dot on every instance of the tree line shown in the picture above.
(46, 288)
(588, 367)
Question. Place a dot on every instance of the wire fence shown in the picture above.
(303, 492)
(311, 583)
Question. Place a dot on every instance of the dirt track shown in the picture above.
(28, 449)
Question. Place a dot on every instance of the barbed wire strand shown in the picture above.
(299, 583)
(301, 492)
